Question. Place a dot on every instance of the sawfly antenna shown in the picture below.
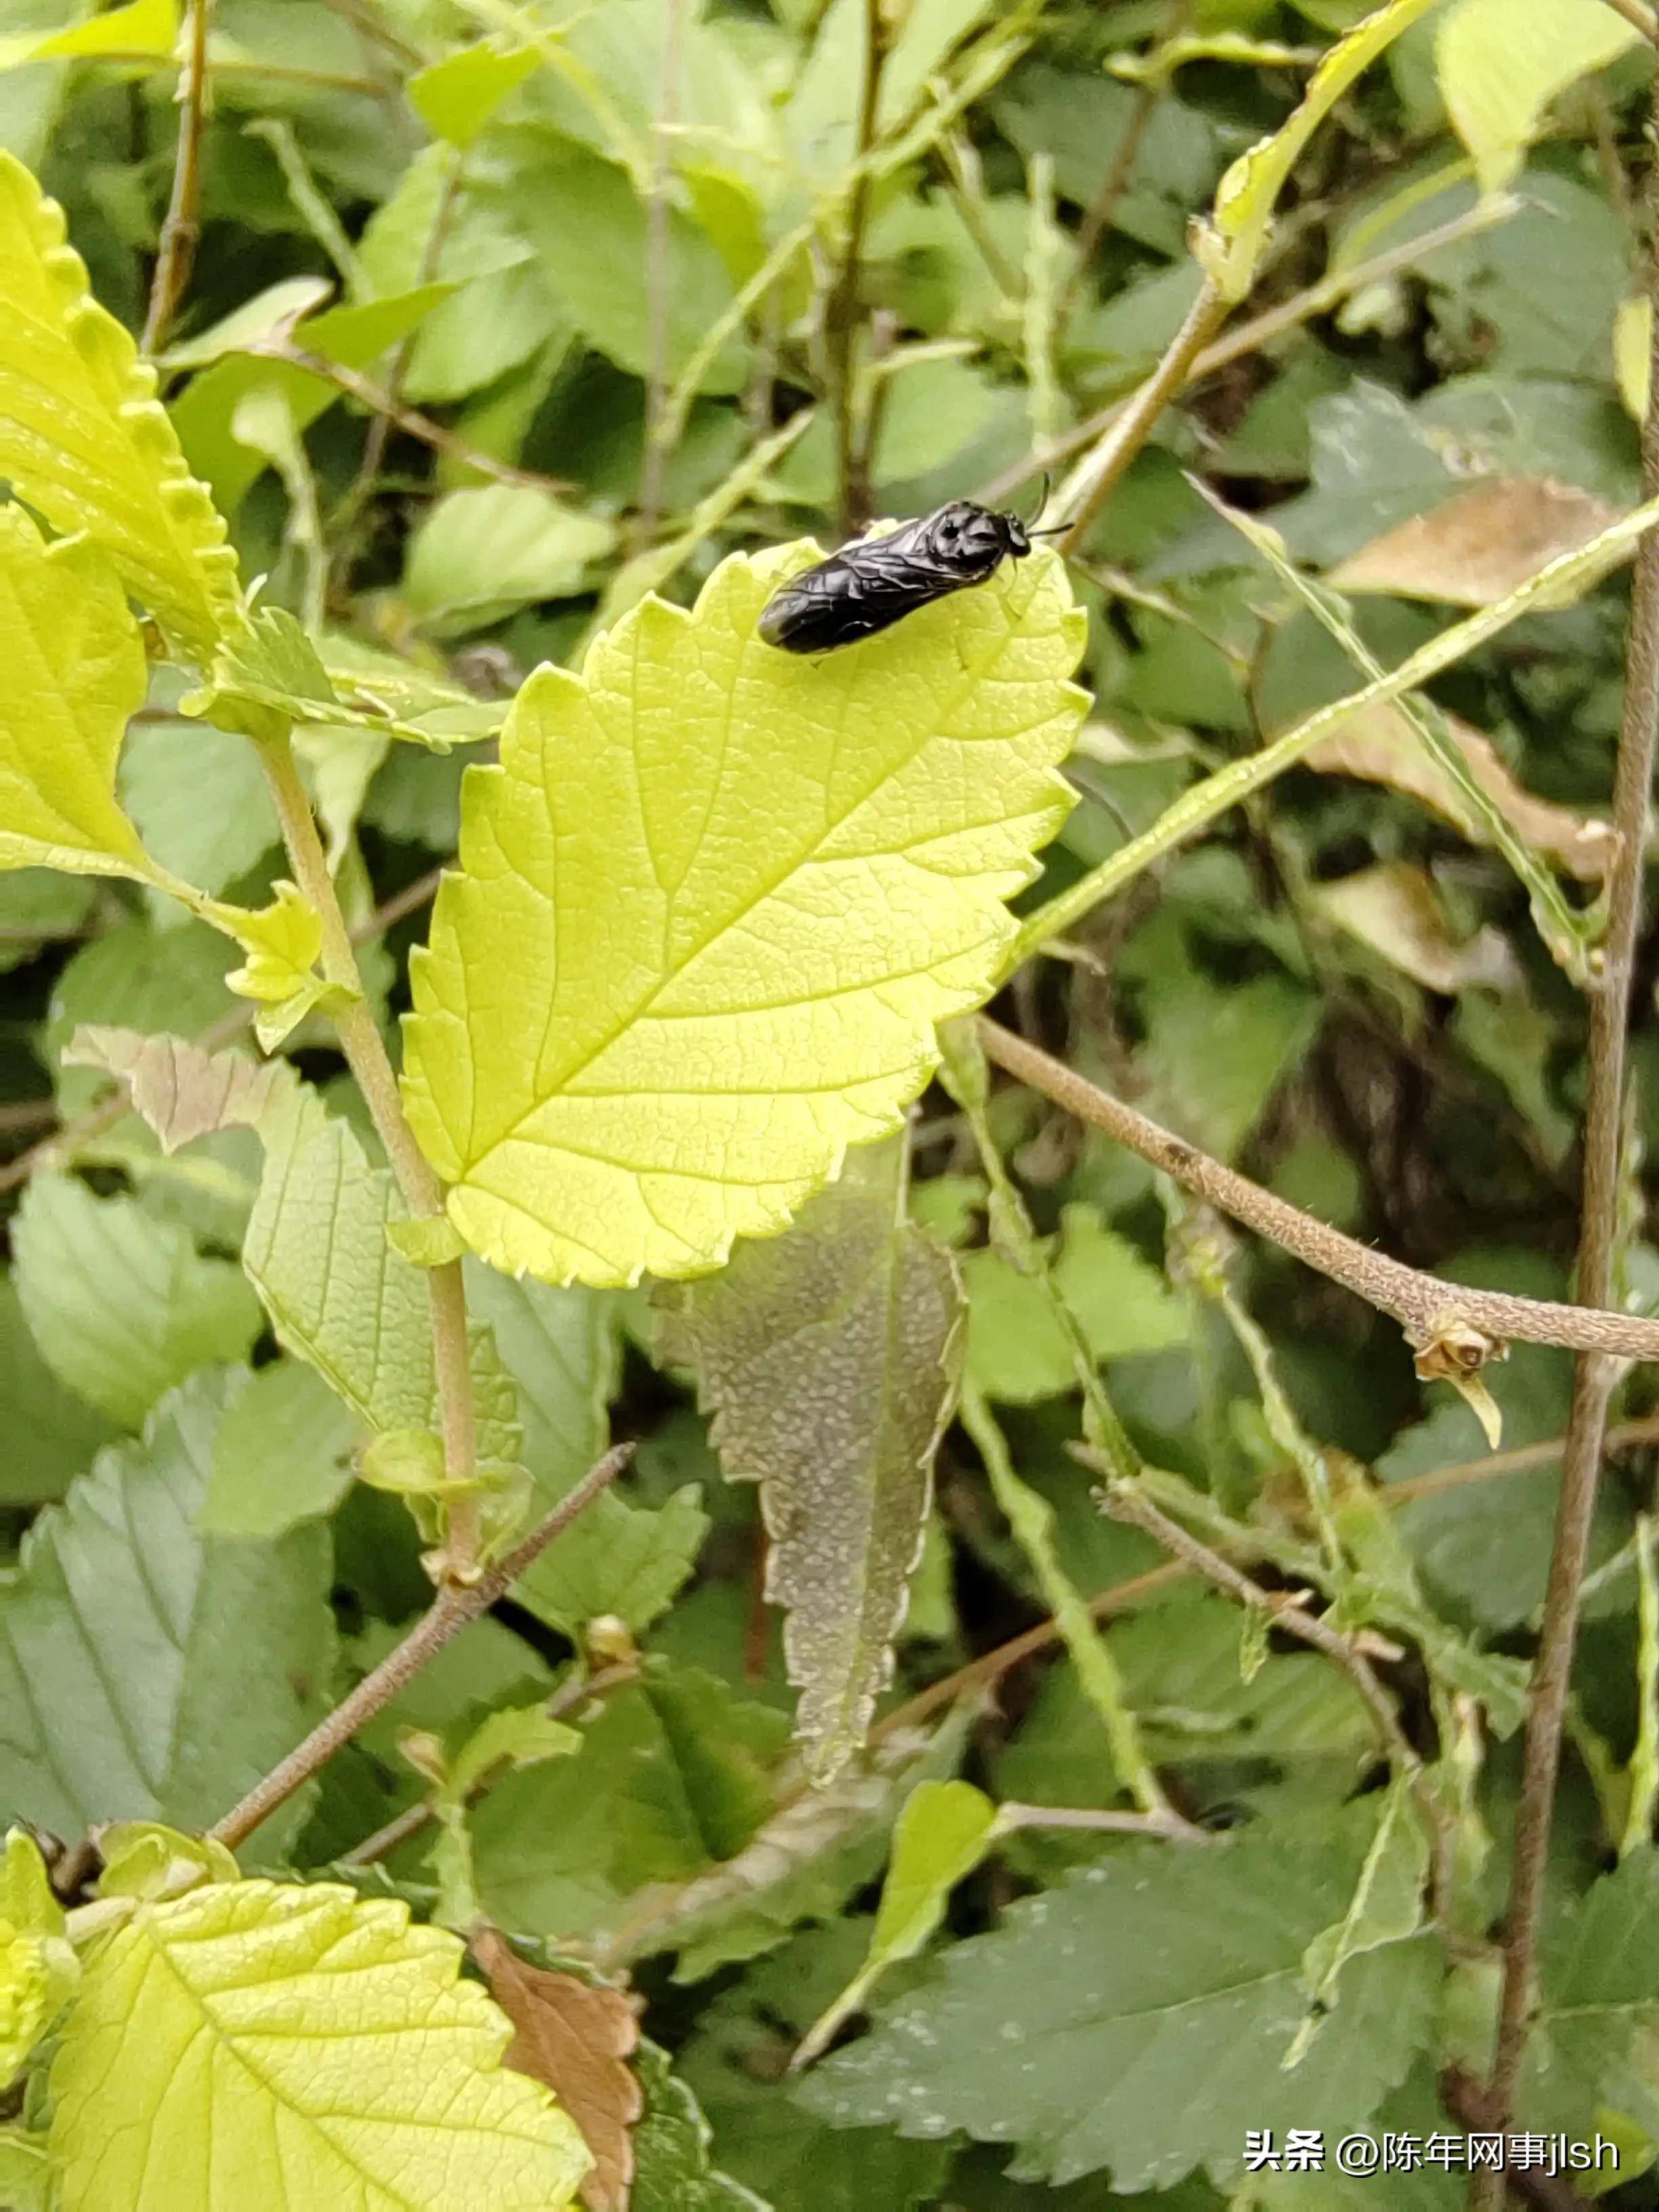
(1055, 529)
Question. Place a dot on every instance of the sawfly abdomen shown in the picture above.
(873, 582)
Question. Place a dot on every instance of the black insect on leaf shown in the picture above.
(873, 582)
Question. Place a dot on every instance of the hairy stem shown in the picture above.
(366, 1055)
(1421, 1302)
(448, 1614)
(182, 225)
(1595, 1374)
(1093, 483)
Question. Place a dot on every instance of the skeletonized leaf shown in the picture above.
(83, 438)
(1379, 745)
(829, 1359)
(1230, 246)
(182, 1091)
(1475, 548)
(738, 887)
(122, 1305)
(319, 2040)
(147, 1670)
(1396, 909)
(74, 672)
(1500, 64)
(577, 2038)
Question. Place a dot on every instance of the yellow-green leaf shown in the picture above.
(282, 942)
(711, 905)
(457, 96)
(25, 1998)
(1231, 244)
(1501, 62)
(75, 673)
(271, 2045)
(142, 27)
(83, 438)
(942, 1835)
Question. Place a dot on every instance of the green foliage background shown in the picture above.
(505, 314)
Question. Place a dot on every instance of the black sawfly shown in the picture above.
(873, 582)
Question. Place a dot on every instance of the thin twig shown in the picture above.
(407, 419)
(1640, 16)
(1128, 1502)
(840, 312)
(366, 1055)
(569, 1698)
(65, 1143)
(658, 299)
(1425, 1307)
(1093, 483)
(183, 226)
(1250, 336)
(1168, 1828)
(448, 1614)
(1595, 1374)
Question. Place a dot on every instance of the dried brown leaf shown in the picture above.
(577, 2038)
(1477, 547)
(1378, 744)
(1396, 910)
(182, 1091)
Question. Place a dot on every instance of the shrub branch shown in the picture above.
(1595, 1374)
(1430, 1311)
(447, 1614)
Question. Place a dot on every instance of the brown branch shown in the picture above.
(448, 1614)
(409, 420)
(1469, 2102)
(1595, 1375)
(1128, 1502)
(86, 1129)
(1426, 1307)
(182, 226)
(840, 312)
(1131, 426)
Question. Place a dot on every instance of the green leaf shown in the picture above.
(1230, 245)
(122, 1305)
(75, 673)
(340, 1297)
(829, 1359)
(1018, 1352)
(1592, 2050)
(735, 2063)
(137, 977)
(182, 1091)
(83, 439)
(457, 96)
(1078, 2028)
(282, 1985)
(148, 1858)
(53, 1433)
(201, 804)
(26, 1898)
(282, 1455)
(483, 554)
(38, 907)
(26, 2177)
(589, 227)
(942, 1833)
(150, 1671)
(673, 2165)
(1500, 64)
(756, 919)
